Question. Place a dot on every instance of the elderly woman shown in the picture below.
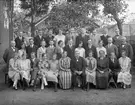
(101, 47)
(14, 73)
(102, 72)
(124, 76)
(41, 50)
(24, 67)
(114, 66)
(43, 68)
(91, 69)
(52, 74)
(65, 72)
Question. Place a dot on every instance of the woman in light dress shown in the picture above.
(41, 50)
(124, 76)
(101, 47)
(80, 49)
(14, 73)
(52, 74)
(65, 74)
(22, 50)
(24, 67)
(91, 69)
(43, 69)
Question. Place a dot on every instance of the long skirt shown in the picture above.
(125, 77)
(14, 75)
(26, 75)
(91, 77)
(65, 79)
(51, 76)
(102, 79)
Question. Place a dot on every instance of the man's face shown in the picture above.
(40, 33)
(21, 34)
(13, 44)
(109, 40)
(32, 55)
(77, 54)
(51, 43)
(31, 42)
(123, 40)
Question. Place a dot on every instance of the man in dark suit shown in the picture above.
(34, 70)
(39, 38)
(31, 48)
(19, 40)
(78, 66)
(82, 37)
(8, 54)
(92, 48)
(70, 48)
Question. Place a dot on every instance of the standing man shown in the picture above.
(39, 38)
(78, 66)
(31, 48)
(126, 47)
(117, 38)
(19, 40)
(110, 47)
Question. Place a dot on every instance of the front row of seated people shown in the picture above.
(69, 73)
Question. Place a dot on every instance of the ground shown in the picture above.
(111, 96)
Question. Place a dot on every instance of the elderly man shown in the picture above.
(82, 37)
(19, 40)
(110, 47)
(8, 54)
(78, 65)
(126, 47)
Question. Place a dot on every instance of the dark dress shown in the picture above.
(102, 78)
(19, 42)
(115, 68)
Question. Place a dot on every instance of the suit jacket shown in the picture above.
(18, 42)
(128, 48)
(8, 54)
(30, 49)
(34, 64)
(93, 49)
(70, 51)
(78, 65)
(83, 39)
(114, 66)
(37, 40)
(105, 39)
(112, 48)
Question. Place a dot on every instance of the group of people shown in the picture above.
(69, 61)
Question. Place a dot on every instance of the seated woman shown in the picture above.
(124, 76)
(102, 72)
(43, 69)
(14, 73)
(65, 72)
(24, 67)
(114, 66)
(52, 74)
(91, 69)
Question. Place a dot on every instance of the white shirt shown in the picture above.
(102, 48)
(57, 38)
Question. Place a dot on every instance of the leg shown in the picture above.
(73, 80)
(56, 89)
(83, 75)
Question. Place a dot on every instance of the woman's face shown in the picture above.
(61, 44)
(101, 44)
(16, 56)
(123, 54)
(54, 57)
(43, 43)
(64, 54)
(44, 57)
(80, 45)
(90, 54)
(101, 53)
(23, 46)
(24, 56)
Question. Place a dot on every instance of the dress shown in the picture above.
(102, 73)
(91, 70)
(125, 76)
(24, 67)
(52, 74)
(65, 73)
(81, 51)
(13, 68)
(40, 51)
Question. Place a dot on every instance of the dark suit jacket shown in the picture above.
(105, 39)
(30, 49)
(8, 54)
(83, 39)
(34, 64)
(79, 65)
(19, 42)
(114, 66)
(93, 49)
(37, 40)
(70, 51)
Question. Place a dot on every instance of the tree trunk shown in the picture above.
(32, 18)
